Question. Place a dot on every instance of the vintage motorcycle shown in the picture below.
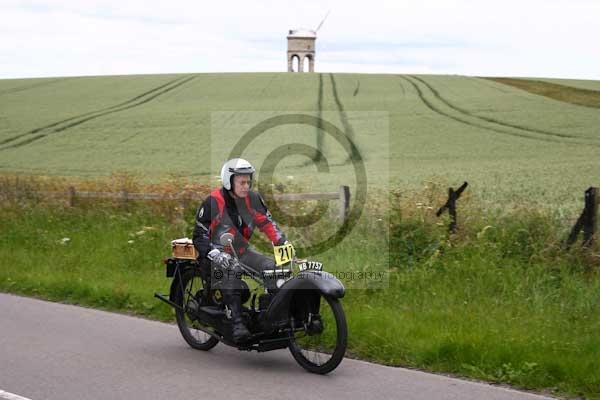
(296, 306)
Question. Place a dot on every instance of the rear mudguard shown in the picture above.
(178, 268)
(303, 290)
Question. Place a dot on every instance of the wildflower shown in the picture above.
(130, 241)
(64, 240)
(483, 231)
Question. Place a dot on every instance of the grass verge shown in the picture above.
(499, 301)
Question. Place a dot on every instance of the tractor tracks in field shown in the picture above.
(320, 150)
(65, 124)
(427, 93)
(320, 143)
(348, 129)
(488, 119)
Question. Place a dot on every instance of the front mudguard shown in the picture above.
(304, 289)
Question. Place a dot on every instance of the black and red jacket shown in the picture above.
(221, 213)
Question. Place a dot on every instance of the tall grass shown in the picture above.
(501, 300)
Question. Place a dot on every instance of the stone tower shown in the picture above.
(301, 45)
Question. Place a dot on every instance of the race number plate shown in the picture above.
(314, 265)
(283, 253)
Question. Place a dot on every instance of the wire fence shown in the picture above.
(587, 223)
(184, 199)
(584, 225)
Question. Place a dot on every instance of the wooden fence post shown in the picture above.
(72, 194)
(450, 205)
(588, 220)
(17, 189)
(124, 198)
(452, 209)
(344, 202)
(590, 225)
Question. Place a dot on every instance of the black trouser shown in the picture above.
(257, 261)
(230, 282)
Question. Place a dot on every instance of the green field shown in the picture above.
(501, 300)
(512, 146)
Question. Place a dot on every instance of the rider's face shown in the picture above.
(241, 185)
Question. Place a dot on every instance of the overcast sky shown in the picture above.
(549, 38)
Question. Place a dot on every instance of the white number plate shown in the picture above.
(314, 265)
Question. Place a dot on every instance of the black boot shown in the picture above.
(238, 328)
(239, 331)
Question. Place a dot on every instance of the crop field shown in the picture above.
(513, 147)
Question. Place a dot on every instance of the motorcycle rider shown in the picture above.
(234, 208)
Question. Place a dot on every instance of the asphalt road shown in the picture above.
(55, 351)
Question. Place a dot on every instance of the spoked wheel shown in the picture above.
(191, 283)
(321, 345)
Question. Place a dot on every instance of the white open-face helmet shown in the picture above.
(235, 166)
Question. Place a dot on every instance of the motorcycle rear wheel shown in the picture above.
(191, 283)
(321, 353)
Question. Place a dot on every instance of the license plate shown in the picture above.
(313, 265)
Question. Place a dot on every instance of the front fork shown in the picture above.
(314, 324)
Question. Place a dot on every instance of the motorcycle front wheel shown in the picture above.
(186, 296)
(320, 347)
